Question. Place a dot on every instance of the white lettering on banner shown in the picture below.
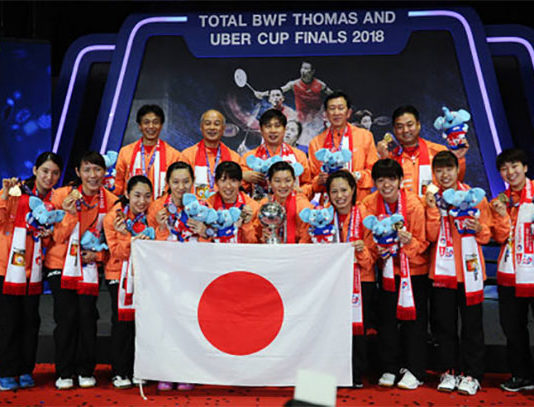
(268, 20)
(274, 38)
(325, 32)
(379, 17)
(222, 20)
(325, 18)
(320, 37)
(230, 39)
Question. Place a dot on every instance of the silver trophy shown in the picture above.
(272, 215)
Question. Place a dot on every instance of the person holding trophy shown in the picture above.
(279, 212)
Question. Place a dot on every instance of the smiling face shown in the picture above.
(212, 127)
(447, 177)
(150, 127)
(282, 183)
(139, 197)
(180, 182)
(92, 176)
(407, 128)
(46, 176)
(515, 174)
(273, 133)
(388, 187)
(340, 194)
(228, 188)
(338, 113)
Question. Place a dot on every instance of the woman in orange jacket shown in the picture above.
(73, 270)
(282, 179)
(228, 177)
(164, 215)
(125, 222)
(20, 271)
(402, 309)
(457, 271)
(341, 188)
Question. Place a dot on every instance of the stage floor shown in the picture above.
(45, 394)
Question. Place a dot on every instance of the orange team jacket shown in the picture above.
(433, 218)
(364, 155)
(301, 228)
(248, 230)
(55, 257)
(305, 177)
(411, 168)
(363, 258)
(415, 224)
(153, 209)
(118, 243)
(502, 224)
(190, 153)
(8, 212)
(124, 161)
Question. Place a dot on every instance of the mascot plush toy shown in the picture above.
(225, 225)
(193, 209)
(333, 161)
(322, 229)
(110, 158)
(454, 127)
(136, 230)
(464, 206)
(385, 232)
(260, 165)
(90, 242)
(42, 216)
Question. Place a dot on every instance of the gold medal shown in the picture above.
(15, 191)
(388, 138)
(503, 198)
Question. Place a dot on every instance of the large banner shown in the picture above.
(248, 315)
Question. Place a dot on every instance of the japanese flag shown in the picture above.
(235, 314)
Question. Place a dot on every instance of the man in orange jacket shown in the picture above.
(343, 135)
(414, 153)
(204, 156)
(149, 156)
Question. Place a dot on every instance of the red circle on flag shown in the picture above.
(240, 313)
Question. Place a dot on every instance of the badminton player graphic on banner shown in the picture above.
(242, 314)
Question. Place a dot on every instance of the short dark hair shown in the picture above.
(399, 111)
(337, 94)
(146, 109)
(229, 169)
(511, 155)
(92, 157)
(270, 114)
(444, 159)
(178, 165)
(387, 168)
(280, 166)
(347, 176)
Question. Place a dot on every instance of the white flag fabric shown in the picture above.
(237, 314)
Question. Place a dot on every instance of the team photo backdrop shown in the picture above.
(381, 58)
